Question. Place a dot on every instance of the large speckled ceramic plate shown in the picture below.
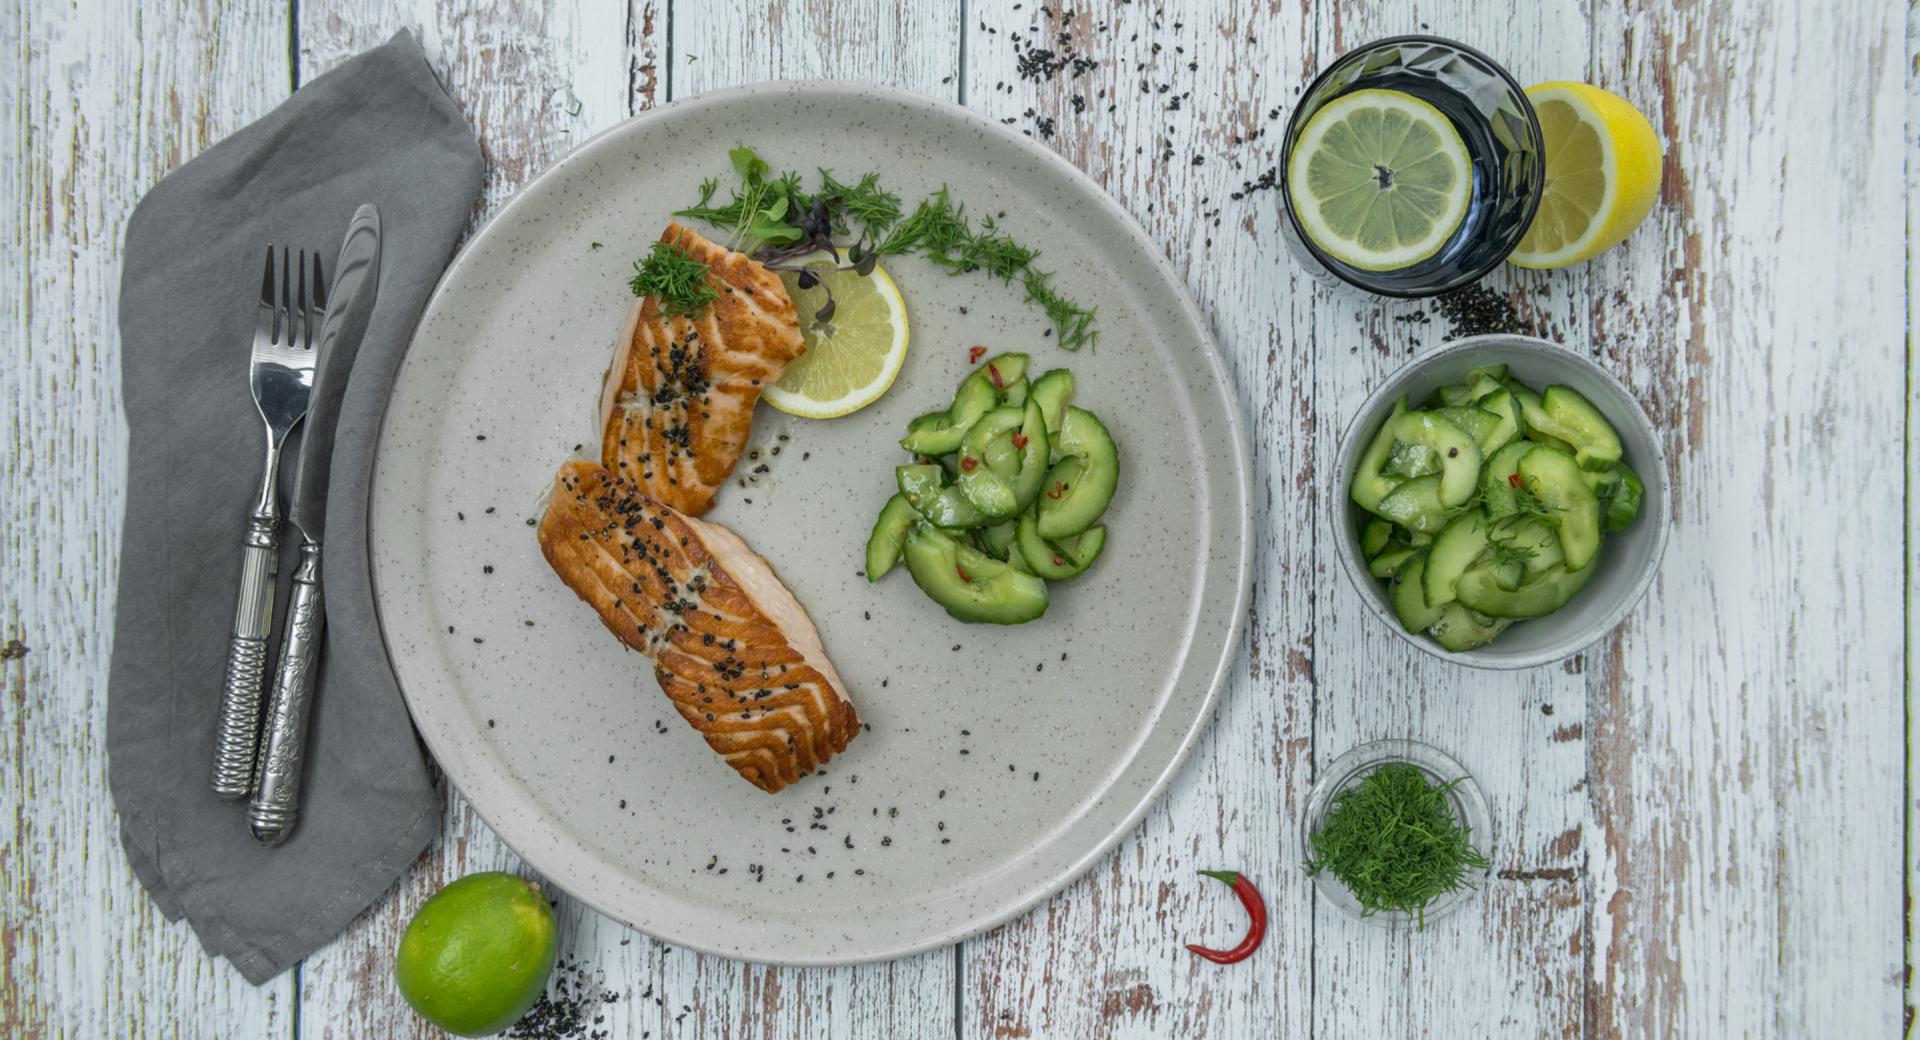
(1000, 763)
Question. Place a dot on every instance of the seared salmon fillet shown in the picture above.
(679, 396)
(732, 649)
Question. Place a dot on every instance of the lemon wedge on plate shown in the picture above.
(853, 354)
(1603, 174)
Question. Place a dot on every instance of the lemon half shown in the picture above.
(854, 355)
(1603, 174)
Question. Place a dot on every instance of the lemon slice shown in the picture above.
(854, 355)
(1379, 179)
(1603, 174)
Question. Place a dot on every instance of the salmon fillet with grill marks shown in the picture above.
(678, 399)
(732, 649)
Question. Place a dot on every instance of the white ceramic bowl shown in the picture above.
(1628, 558)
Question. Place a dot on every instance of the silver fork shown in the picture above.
(282, 378)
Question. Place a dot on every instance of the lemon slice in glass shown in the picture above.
(1603, 174)
(853, 356)
(1379, 179)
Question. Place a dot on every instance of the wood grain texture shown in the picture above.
(1742, 769)
(1699, 820)
(1911, 804)
(99, 103)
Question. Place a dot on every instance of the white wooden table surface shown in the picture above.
(1704, 821)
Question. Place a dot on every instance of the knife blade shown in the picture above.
(283, 748)
(356, 281)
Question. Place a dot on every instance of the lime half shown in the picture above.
(1379, 179)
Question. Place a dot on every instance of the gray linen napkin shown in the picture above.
(378, 129)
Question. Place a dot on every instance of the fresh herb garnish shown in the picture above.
(677, 279)
(778, 223)
(1394, 841)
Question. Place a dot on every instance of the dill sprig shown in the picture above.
(1394, 841)
(779, 223)
(677, 279)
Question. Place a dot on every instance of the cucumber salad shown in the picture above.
(1004, 495)
(1488, 504)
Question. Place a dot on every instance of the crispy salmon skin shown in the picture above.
(678, 399)
(732, 648)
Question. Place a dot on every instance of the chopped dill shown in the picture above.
(1394, 841)
(677, 279)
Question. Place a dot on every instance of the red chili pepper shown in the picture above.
(962, 571)
(974, 353)
(1057, 561)
(1256, 919)
(1019, 440)
(998, 383)
(967, 464)
(1514, 480)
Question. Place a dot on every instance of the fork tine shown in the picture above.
(282, 314)
(319, 287)
(264, 329)
(304, 338)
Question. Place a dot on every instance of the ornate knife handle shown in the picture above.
(234, 748)
(283, 746)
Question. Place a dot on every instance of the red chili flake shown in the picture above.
(998, 383)
(1059, 488)
(974, 354)
(962, 571)
(1514, 480)
(1019, 440)
(1057, 561)
(925, 461)
(967, 464)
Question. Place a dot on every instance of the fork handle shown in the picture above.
(239, 732)
(283, 742)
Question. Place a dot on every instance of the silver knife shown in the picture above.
(276, 793)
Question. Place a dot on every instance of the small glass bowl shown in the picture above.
(1468, 804)
(1509, 162)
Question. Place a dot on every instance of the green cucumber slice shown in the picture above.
(1556, 480)
(1459, 454)
(1496, 487)
(1495, 372)
(1053, 391)
(1078, 489)
(1454, 394)
(1016, 394)
(889, 535)
(1409, 602)
(1501, 404)
(1388, 563)
(971, 585)
(997, 539)
(1478, 423)
(1621, 502)
(940, 503)
(1481, 386)
(1454, 549)
(1374, 536)
(1459, 630)
(933, 435)
(1532, 543)
(1369, 485)
(1415, 505)
(1411, 460)
(1003, 461)
(1596, 443)
(1479, 590)
(1067, 558)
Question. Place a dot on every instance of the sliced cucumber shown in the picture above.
(1458, 452)
(1078, 489)
(940, 503)
(1411, 460)
(1415, 505)
(1501, 404)
(1369, 485)
(997, 539)
(1409, 602)
(1459, 629)
(1063, 559)
(1016, 394)
(1053, 391)
(1003, 461)
(1534, 544)
(973, 586)
(1419, 539)
(1480, 386)
(1495, 372)
(1388, 563)
(1454, 549)
(1556, 480)
(889, 534)
(1621, 502)
(1458, 393)
(1374, 536)
(1478, 423)
(933, 434)
(1479, 590)
(1596, 443)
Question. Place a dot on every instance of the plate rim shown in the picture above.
(1240, 456)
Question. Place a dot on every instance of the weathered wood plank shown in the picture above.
(533, 79)
(1911, 803)
(1104, 957)
(1743, 753)
(100, 100)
